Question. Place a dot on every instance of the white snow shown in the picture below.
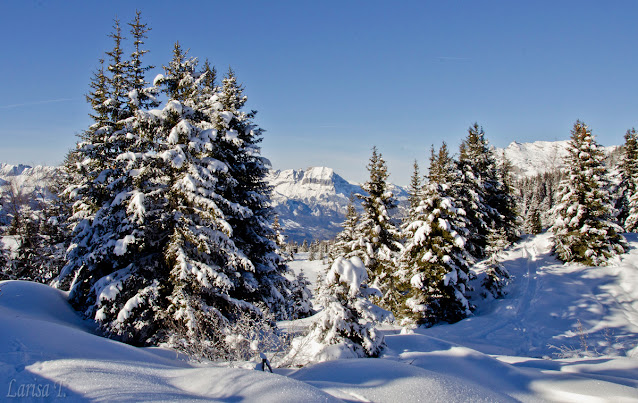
(351, 272)
(564, 333)
(226, 116)
(158, 78)
(122, 244)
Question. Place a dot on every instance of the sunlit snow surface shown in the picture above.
(509, 351)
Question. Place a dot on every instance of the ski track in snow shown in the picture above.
(546, 304)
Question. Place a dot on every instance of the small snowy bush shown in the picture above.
(345, 327)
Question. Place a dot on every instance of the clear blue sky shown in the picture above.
(330, 79)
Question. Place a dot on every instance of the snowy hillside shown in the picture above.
(311, 203)
(513, 349)
(529, 159)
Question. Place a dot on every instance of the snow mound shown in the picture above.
(46, 350)
(379, 380)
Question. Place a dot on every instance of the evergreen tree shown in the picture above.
(98, 97)
(628, 178)
(377, 237)
(474, 161)
(301, 296)
(278, 236)
(488, 198)
(141, 95)
(117, 80)
(496, 276)
(205, 264)
(435, 261)
(114, 253)
(345, 327)
(345, 239)
(583, 231)
(415, 188)
(503, 200)
(248, 209)
(442, 170)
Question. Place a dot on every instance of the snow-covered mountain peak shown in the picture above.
(314, 182)
(310, 203)
(26, 177)
(12, 170)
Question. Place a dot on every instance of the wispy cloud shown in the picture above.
(50, 101)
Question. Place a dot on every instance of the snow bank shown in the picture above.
(379, 380)
(503, 353)
(44, 343)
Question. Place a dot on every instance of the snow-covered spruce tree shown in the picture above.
(345, 239)
(115, 257)
(488, 199)
(141, 95)
(415, 188)
(377, 237)
(472, 164)
(628, 183)
(278, 234)
(117, 79)
(301, 296)
(435, 261)
(248, 210)
(502, 198)
(495, 277)
(205, 267)
(345, 327)
(584, 231)
(253, 270)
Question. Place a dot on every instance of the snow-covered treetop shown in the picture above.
(351, 272)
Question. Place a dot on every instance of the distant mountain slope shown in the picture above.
(529, 159)
(30, 181)
(311, 203)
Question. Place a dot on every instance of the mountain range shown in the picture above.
(311, 203)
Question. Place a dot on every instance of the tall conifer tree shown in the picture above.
(377, 240)
(583, 231)
(415, 188)
(435, 261)
(344, 241)
(628, 182)
(488, 198)
(248, 210)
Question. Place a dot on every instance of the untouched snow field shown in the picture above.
(563, 333)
